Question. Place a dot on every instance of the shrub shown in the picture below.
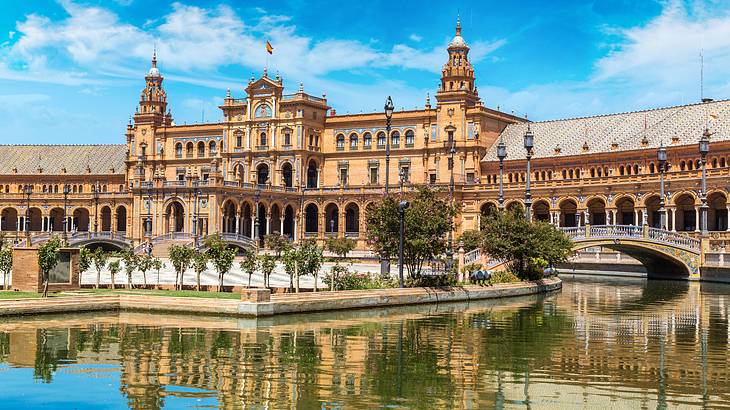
(346, 279)
(432, 281)
(503, 276)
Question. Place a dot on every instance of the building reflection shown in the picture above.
(632, 342)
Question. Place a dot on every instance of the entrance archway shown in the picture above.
(289, 222)
(175, 217)
(106, 219)
(597, 211)
(331, 218)
(625, 214)
(568, 213)
(286, 175)
(685, 215)
(717, 212)
(80, 220)
(311, 219)
(9, 220)
(541, 211)
(312, 177)
(121, 219)
(352, 218)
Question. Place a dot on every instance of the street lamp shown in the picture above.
(196, 194)
(388, 108)
(704, 150)
(388, 115)
(96, 207)
(402, 206)
(401, 178)
(28, 190)
(256, 196)
(332, 226)
(662, 160)
(450, 129)
(529, 142)
(501, 155)
(66, 191)
(148, 218)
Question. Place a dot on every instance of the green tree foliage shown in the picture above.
(181, 257)
(248, 264)
(290, 259)
(310, 260)
(157, 264)
(6, 262)
(85, 259)
(48, 259)
(131, 260)
(277, 243)
(200, 264)
(99, 259)
(426, 224)
(221, 256)
(267, 264)
(340, 246)
(471, 239)
(114, 268)
(144, 264)
(530, 246)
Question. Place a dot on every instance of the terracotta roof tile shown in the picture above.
(52, 159)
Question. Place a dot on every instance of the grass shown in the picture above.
(9, 294)
(170, 293)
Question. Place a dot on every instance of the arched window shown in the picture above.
(367, 140)
(263, 141)
(178, 150)
(682, 165)
(570, 174)
(381, 140)
(565, 175)
(410, 138)
(353, 141)
(651, 167)
(593, 172)
(239, 138)
(189, 150)
(340, 141)
(212, 148)
(636, 169)
(690, 165)
(263, 111)
(621, 170)
(722, 162)
(395, 138)
(201, 149)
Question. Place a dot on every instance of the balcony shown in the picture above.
(340, 148)
(262, 147)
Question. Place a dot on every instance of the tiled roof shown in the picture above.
(52, 159)
(626, 131)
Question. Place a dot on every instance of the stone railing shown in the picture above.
(473, 256)
(632, 231)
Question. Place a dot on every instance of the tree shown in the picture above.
(180, 256)
(99, 259)
(85, 260)
(530, 246)
(200, 264)
(340, 246)
(6, 263)
(277, 243)
(114, 268)
(426, 224)
(157, 264)
(267, 264)
(221, 256)
(131, 260)
(291, 262)
(48, 259)
(248, 264)
(144, 263)
(310, 260)
(471, 239)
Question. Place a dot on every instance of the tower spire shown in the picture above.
(154, 56)
(458, 24)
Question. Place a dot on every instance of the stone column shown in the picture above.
(697, 218)
(674, 225)
(281, 224)
(268, 224)
(238, 224)
(727, 220)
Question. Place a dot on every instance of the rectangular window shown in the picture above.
(470, 131)
(433, 132)
(405, 173)
(343, 176)
(239, 140)
(374, 176)
(287, 139)
(432, 178)
(470, 178)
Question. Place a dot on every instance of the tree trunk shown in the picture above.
(291, 283)
(220, 282)
(158, 279)
(144, 279)
(98, 278)
(111, 275)
(5, 281)
(249, 280)
(182, 280)
(296, 276)
(315, 282)
(129, 281)
(45, 284)
(197, 280)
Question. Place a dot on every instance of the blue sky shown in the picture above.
(71, 71)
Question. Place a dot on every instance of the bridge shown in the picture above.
(114, 240)
(663, 253)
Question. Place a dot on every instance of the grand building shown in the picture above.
(287, 162)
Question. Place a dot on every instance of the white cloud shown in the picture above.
(415, 37)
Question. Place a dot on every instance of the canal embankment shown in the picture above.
(260, 303)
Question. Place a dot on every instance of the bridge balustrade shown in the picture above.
(632, 231)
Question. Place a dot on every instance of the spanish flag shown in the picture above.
(269, 48)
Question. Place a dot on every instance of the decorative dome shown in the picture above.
(154, 72)
(458, 40)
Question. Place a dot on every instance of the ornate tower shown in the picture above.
(457, 75)
(153, 99)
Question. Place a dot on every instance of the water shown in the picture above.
(626, 343)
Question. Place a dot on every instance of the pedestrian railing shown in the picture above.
(632, 231)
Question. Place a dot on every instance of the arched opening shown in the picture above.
(353, 141)
(56, 219)
(717, 212)
(239, 174)
(229, 217)
(289, 222)
(178, 151)
(175, 217)
(597, 211)
(312, 177)
(262, 174)
(652, 212)
(685, 216)
(331, 218)
(625, 214)
(247, 220)
(121, 219)
(541, 211)
(106, 219)
(189, 150)
(352, 218)
(568, 213)
(263, 226)
(201, 149)
(275, 219)
(212, 148)
(9, 219)
(487, 208)
(36, 219)
(80, 221)
(286, 175)
(515, 206)
(311, 219)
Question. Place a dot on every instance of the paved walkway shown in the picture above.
(235, 277)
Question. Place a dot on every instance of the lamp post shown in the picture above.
(28, 190)
(501, 155)
(450, 129)
(256, 196)
(402, 206)
(66, 191)
(529, 142)
(388, 108)
(332, 226)
(704, 150)
(196, 194)
(662, 160)
(401, 178)
(148, 218)
(96, 207)
(388, 115)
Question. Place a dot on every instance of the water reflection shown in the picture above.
(631, 343)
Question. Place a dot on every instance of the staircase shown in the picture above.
(162, 249)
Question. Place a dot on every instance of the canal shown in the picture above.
(625, 343)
